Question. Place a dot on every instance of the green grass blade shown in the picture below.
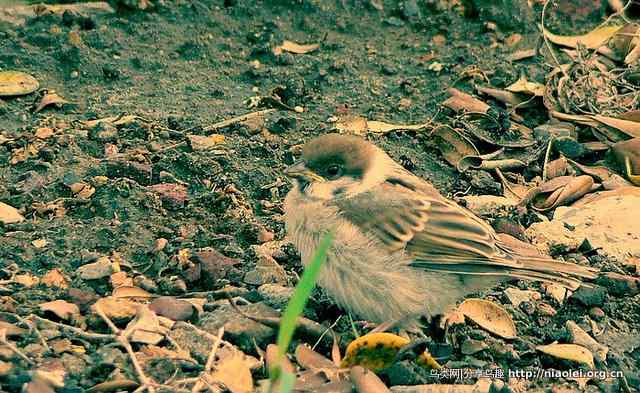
(301, 294)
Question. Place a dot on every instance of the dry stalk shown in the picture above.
(209, 364)
(13, 348)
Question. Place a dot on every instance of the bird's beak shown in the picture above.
(299, 171)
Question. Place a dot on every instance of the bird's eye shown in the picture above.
(333, 171)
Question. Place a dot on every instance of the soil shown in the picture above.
(186, 65)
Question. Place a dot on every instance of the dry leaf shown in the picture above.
(592, 40)
(357, 125)
(9, 214)
(292, 47)
(117, 309)
(489, 316)
(131, 292)
(50, 98)
(463, 102)
(11, 330)
(55, 279)
(571, 352)
(62, 309)
(377, 351)
(114, 386)
(366, 381)
(27, 280)
(561, 191)
(112, 120)
(507, 97)
(200, 142)
(627, 154)
(120, 279)
(453, 145)
(16, 83)
(579, 337)
(44, 132)
(522, 85)
(22, 154)
(145, 328)
(233, 370)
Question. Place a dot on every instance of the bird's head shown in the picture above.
(336, 165)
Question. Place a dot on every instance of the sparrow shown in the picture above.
(400, 249)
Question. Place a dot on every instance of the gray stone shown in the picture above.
(590, 295)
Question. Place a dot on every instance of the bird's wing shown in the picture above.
(408, 213)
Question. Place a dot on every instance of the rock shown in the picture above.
(605, 223)
(267, 270)
(96, 270)
(556, 291)
(9, 214)
(471, 346)
(244, 332)
(620, 284)
(199, 142)
(482, 180)
(593, 295)
(173, 196)
(517, 296)
(596, 313)
(275, 295)
(172, 308)
(487, 205)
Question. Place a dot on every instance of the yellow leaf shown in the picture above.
(572, 352)
(292, 47)
(377, 351)
(15, 83)
(592, 40)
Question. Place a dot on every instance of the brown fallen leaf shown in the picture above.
(131, 292)
(292, 47)
(523, 85)
(556, 168)
(60, 308)
(201, 142)
(145, 328)
(453, 145)
(591, 40)
(489, 316)
(114, 386)
(116, 309)
(366, 381)
(50, 98)
(44, 132)
(463, 102)
(507, 97)
(560, 191)
(12, 330)
(627, 153)
(55, 279)
(358, 125)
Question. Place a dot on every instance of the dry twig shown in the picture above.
(207, 368)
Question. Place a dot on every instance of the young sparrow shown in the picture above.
(401, 250)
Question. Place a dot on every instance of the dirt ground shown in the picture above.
(187, 65)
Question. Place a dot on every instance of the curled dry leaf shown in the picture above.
(114, 386)
(358, 125)
(50, 98)
(9, 214)
(571, 352)
(311, 360)
(489, 316)
(16, 83)
(62, 309)
(599, 173)
(453, 145)
(463, 102)
(559, 191)
(556, 168)
(507, 97)
(292, 47)
(523, 85)
(377, 351)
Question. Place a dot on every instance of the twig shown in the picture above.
(13, 348)
(546, 39)
(86, 335)
(209, 364)
(547, 155)
(237, 119)
(122, 340)
(32, 327)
